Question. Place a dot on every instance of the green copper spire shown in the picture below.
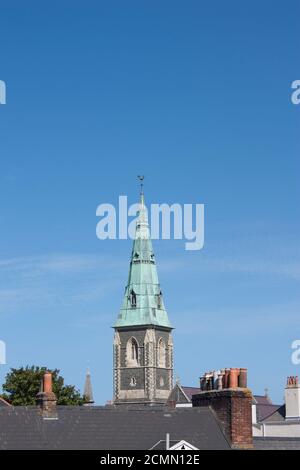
(143, 303)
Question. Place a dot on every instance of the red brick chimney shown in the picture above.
(46, 399)
(232, 406)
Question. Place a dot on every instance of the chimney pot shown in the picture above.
(215, 379)
(233, 378)
(47, 382)
(46, 399)
(243, 378)
(226, 378)
(220, 381)
(292, 381)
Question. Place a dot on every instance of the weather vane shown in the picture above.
(141, 178)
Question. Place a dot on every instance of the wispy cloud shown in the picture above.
(52, 279)
(56, 263)
(240, 320)
(278, 268)
(67, 279)
(265, 261)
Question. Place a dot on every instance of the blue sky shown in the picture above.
(196, 96)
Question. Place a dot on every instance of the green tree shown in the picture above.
(22, 385)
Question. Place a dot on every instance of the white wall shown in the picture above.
(284, 429)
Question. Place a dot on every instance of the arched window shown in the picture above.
(161, 353)
(132, 352)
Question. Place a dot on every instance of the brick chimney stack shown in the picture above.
(46, 399)
(232, 404)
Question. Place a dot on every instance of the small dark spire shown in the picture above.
(88, 391)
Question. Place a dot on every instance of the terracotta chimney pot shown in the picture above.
(47, 382)
(226, 378)
(243, 378)
(233, 378)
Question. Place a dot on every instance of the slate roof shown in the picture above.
(265, 409)
(182, 395)
(3, 403)
(276, 443)
(262, 400)
(110, 428)
(278, 414)
(190, 391)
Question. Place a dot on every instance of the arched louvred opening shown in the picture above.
(161, 353)
(132, 352)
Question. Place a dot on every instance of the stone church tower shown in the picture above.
(143, 346)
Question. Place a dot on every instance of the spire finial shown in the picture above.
(141, 178)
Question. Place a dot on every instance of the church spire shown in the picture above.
(143, 344)
(88, 391)
(143, 303)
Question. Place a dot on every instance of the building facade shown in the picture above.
(143, 345)
(278, 421)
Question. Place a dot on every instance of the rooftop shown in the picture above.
(108, 428)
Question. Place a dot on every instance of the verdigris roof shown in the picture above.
(143, 302)
(110, 428)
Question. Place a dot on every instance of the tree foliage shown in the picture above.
(22, 385)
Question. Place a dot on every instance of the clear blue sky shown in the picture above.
(196, 96)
